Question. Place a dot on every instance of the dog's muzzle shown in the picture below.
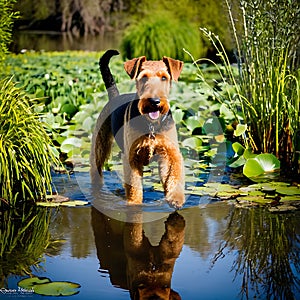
(155, 102)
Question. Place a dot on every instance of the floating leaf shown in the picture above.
(226, 112)
(248, 153)
(269, 162)
(252, 168)
(177, 115)
(240, 129)
(65, 203)
(238, 148)
(262, 163)
(290, 191)
(74, 203)
(213, 126)
(290, 198)
(48, 204)
(192, 123)
(238, 163)
(192, 142)
(57, 288)
(28, 283)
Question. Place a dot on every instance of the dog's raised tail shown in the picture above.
(108, 78)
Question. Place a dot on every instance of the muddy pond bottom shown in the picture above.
(209, 250)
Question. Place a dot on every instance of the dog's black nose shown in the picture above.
(154, 101)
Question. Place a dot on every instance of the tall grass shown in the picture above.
(25, 152)
(6, 22)
(159, 35)
(267, 88)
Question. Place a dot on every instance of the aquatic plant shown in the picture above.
(44, 286)
(159, 35)
(267, 95)
(26, 154)
(7, 17)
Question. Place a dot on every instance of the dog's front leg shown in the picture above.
(171, 171)
(133, 181)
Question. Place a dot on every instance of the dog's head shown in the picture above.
(153, 82)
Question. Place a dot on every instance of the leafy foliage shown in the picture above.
(7, 17)
(25, 148)
(266, 89)
(71, 94)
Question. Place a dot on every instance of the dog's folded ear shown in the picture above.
(174, 67)
(133, 66)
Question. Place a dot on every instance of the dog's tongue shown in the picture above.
(154, 115)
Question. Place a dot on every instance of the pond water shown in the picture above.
(57, 41)
(207, 250)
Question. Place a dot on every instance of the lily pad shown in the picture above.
(240, 129)
(29, 283)
(261, 164)
(238, 148)
(192, 142)
(290, 191)
(66, 203)
(57, 288)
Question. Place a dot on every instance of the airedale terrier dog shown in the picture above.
(142, 126)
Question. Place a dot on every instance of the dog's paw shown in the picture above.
(176, 198)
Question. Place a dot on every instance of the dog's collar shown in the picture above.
(152, 127)
(151, 131)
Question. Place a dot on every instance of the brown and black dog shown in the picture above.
(142, 126)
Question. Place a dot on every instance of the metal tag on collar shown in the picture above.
(151, 131)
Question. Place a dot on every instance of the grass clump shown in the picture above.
(158, 35)
(25, 151)
(7, 17)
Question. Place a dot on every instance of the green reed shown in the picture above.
(266, 35)
(26, 155)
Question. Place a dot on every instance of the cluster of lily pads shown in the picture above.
(277, 196)
(70, 94)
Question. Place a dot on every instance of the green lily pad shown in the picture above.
(57, 288)
(290, 191)
(238, 148)
(290, 198)
(29, 283)
(192, 142)
(261, 164)
(66, 203)
(255, 199)
(240, 129)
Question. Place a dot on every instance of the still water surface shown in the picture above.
(211, 250)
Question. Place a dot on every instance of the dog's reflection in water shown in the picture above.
(133, 263)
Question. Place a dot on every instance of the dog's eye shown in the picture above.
(163, 78)
(144, 78)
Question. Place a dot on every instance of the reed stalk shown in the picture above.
(267, 87)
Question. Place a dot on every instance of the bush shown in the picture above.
(25, 152)
(6, 22)
(158, 36)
